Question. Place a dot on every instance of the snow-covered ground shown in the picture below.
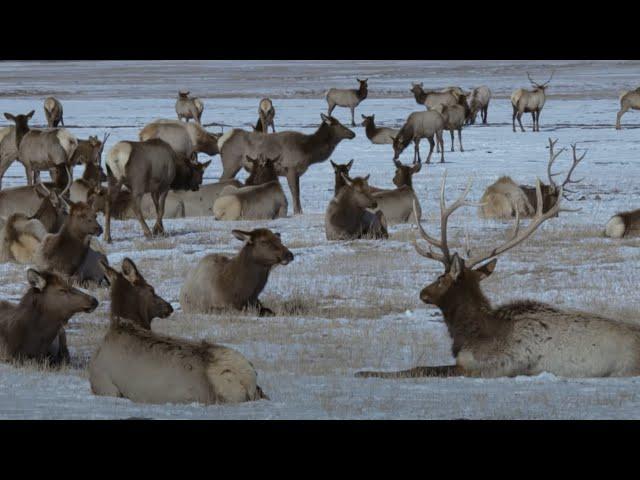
(345, 306)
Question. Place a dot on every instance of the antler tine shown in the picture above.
(552, 158)
(552, 73)
(445, 212)
(574, 164)
(530, 79)
(432, 241)
(518, 237)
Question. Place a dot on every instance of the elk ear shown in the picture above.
(109, 272)
(364, 117)
(36, 280)
(325, 119)
(397, 163)
(204, 165)
(487, 269)
(30, 114)
(335, 167)
(367, 177)
(242, 236)
(350, 164)
(130, 271)
(8, 116)
(416, 167)
(277, 234)
(457, 267)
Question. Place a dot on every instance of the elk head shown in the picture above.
(264, 247)
(360, 192)
(405, 173)
(83, 220)
(132, 297)
(368, 120)
(551, 192)
(22, 124)
(56, 297)
(183, 94)
(540, 86)
(336, 129)
(363, 85)
(417, 88)
(399, 144)
(263, 170)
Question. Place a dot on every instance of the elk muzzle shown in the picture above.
(286, 258)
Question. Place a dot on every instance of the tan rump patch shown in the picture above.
(117, 159)
(232, 377)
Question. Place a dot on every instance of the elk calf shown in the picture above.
(53, 112)
(378, 135)
(420, 125)
(628, 101)
(531, 101)
(220, 282)
(189, 107)
(397, 205)
(135, 363)
(624, 224)
(348, 98)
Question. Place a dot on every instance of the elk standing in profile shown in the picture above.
(397, 204)
(266, 114)
(134, 362)
(519, 338)
(479, 102)
(623, 224)
(505, 199)
(420, 125)
(348, 98)
(189, 107)
(378, 135)
(431, 98)
(53, 112)
(529, 101)
(455, 117)
(34, 328)
(628, 101)
(220, 282)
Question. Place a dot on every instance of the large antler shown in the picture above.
(576, 160)
(548, 81)
(552, 158)
(531, 79)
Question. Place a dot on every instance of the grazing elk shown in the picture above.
(420, 125)
(479, 102)
(397, 205)
(623, 224)
(505, 199)
(266, 114)
(348, 98)
(220, 282)
(34, 328)
(262, 199)
(8, 150)
(53, 112)
(455, 117)
(529, 101)
(628, 101)
(347, 217)
(297, 151)
(519, 338)
(135, 363)
(377, 135)
(431, 98)
(42, 149)
(189, 107)
(186, 139)
(341, 172)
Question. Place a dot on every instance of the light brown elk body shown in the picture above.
(8, 150)
(397, 204)
(628, 101)
(347, 217)
(135, 363)
(519, 338)
(479, 102)
(189, 108)
(623, 224)
(378, 135)
(34, 328)
(431, 98)
(297, 151)
(220, 282)
(186, 139)
(420, 125)
(26, 199)
(348, 98)
(455, 117)
(53, 112)
(266, 115)
(529, 101)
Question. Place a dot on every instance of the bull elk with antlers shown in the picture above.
(529, 101)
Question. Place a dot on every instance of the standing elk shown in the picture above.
(623, 224)
(220, 282)
(348, 98)
(266, 114)
(420, 125)
(8, 151)
(397, 205)
(628, 101)
(53, 112)
(42, 149)
(431, 98)
(189, 107)
(505, 199)
(187, 139)
(479, 102)
(340, 172)
(377, 135)
(297, 151)
(135, 363)
(519, 338)
(34, 328)
(347, 217)
(455, 117)
(529, 101)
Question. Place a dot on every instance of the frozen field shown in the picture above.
(347, 306)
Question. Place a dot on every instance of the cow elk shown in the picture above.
(8, 150)
(348, 98)
(53, 112)
(397, 204)
(455, 117)
(340, 172)
(219, 282)
(189, 108)
(378, 135)
(135, 363)
(623, 224)
(266, 114)
(186, 139)
(479, 102)
(431, 98)
(420, 125)
(628, 101)
(529, 101)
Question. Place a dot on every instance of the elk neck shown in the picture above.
(321, 144)
(362, 92)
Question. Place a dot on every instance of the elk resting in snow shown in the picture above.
(519, 338)
(53, 112)
(135, 363)
(189, 107)
(220, 282)
(34, 328)
(347, 217)
(341, 172)
(348, 98)
(420, 125)
(479, 102)
(623, 224)
(628, 101)
(397, 205)
(506, 199)
(377, 135)
(266, 114)
(529, 101)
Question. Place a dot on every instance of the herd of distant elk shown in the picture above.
(52, 226)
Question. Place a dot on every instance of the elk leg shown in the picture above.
(263, 311)
(431, 145)
(330, 109)
(513, 119)
(485, 110)
(159, 204)
(452, 141)
(533, 119)
(538, 121)
(519, 117)
(460, 139)
(622, 111)
(439, 371)
(416, 150)
(135, 204)
(294, 186)
(353, 122)
(439, 139)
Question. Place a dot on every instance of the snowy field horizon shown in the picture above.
(348, 306)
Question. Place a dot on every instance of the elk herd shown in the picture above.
(54, 227)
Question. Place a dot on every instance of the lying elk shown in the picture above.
(189, 107)
(28, 199)
(347, 217)
(420, 125)
(348, 98)
(91, 181)
(431, 98)
(134, 362)
(506, 199)
(262, 198)
(479, 102)
(377, 135)
(628, 101)
(42, 149)
(266, 114)
(187, 139)
(340, 172)
(220, 282)
(397, 205)
(297, 151)
(53, 112)
(455, 117)
(623, 224)
(519, 338)
(529, 101)
(34, 328)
